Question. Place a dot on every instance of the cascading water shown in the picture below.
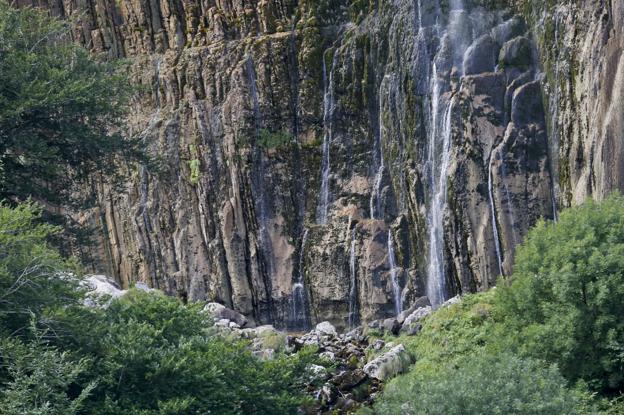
(353, 300)
(259, 191)
(553, 106)
(300, 314)
(375, 199)
(396, 288)
(497, 246)
(438, 156)
(510, 208)
(328, 112)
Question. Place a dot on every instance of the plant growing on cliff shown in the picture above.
(194, 165)
(274, 139)
(61, 110)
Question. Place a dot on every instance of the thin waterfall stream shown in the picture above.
(439, 152)
(497, 246)
(353, 300)
(396, 288)
(300, 314)
(328, 111)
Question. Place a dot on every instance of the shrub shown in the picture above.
(274, 139)
(153, 355)
(483, 384)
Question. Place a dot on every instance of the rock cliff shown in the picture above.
(337, 160)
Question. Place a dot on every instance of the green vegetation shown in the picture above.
(565, 300)
(145, 353)
(274, 139)
(194, 165)
(482, 384)
(60, 110)
(548, 340)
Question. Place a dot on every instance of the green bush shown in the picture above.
(154, 355)
(565, 301)
(274, 139)
(483, 384)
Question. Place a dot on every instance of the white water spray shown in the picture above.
(353, 306)
(328, 112)
(396, 288)
(494, 222)
(299, 299)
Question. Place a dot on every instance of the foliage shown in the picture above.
(33, 276)
(60, 110)
(564, 302)
(194, 165)
(39, 380)
(274, 139)
(154, 355)
(480, 384)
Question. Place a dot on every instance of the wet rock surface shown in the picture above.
(299, 138)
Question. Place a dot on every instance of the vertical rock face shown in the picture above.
(298, 138)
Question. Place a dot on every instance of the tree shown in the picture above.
(39, 380)
(565, 300)
(34, 277)
(60, 110)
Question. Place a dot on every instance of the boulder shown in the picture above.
(412, 324)
(141, 286)
(99, 287)
(419, 303)
(516, 52)
(509, 29)
(316, 373)
(378, 345)
(327, 395)
(326, 328)
(349, 379)
(221, 312)
(451, 301)
(389, 364)
(391, 325)
(481, 56)
(526, 105)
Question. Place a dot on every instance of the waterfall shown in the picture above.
(300, 315)
(259, 193)
(396, 288)
(494, 222)
(328, 112)
(353, 300)
(157, 65)
(508, 198)
(436, 281)
(438, 157)
(375, 199)
(553, 106)
(251, 78)
(420, 23)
